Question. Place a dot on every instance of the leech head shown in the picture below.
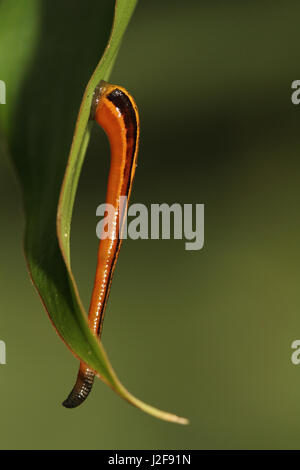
(98, 92)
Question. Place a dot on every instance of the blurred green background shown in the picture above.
(204, 334)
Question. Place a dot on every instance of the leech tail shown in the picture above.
(81, 389)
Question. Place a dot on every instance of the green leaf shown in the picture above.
(46, 79)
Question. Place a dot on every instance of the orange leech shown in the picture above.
(116, 112)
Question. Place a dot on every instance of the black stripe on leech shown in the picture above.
(124, 105)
